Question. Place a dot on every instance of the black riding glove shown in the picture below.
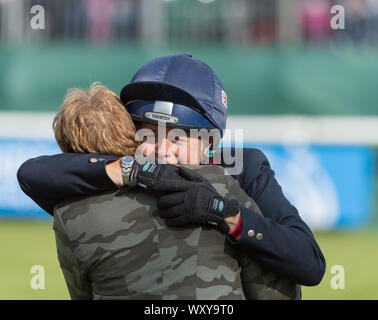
(149, 174)
(194, 203)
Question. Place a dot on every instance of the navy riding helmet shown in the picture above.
(181, 91)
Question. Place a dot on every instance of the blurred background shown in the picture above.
(301, 80)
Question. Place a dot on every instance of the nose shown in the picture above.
(164, 150)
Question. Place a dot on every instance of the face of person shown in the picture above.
(169, 145)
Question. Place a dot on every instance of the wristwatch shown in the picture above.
(126, 165)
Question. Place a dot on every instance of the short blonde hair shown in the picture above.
(94, 121)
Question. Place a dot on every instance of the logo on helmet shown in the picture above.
(161, 117)
(224, 99)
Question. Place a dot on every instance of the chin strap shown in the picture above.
(211, 154)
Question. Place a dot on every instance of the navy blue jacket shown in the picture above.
(288, 246)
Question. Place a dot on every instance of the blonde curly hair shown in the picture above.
(94, 121)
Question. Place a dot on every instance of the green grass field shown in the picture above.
(25, 244)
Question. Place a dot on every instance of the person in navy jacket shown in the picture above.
(187, 94)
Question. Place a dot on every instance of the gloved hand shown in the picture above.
(190, 202)
(149, 174)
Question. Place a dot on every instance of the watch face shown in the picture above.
(127, 160)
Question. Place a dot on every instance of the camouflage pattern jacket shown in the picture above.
(115, 246)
